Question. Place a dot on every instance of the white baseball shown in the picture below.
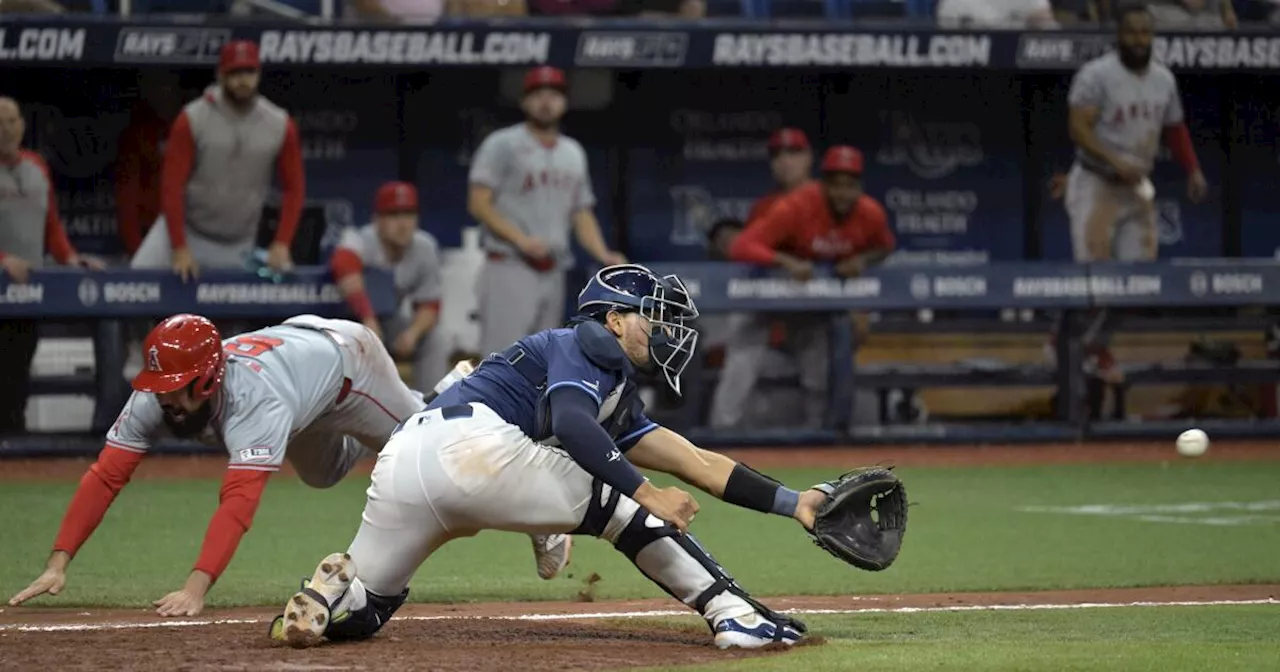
(1193, 443)
(1146, 190)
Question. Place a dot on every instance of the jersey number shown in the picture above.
(253, 346)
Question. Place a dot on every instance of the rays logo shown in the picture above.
(931, 149)
(1169, 222)
(153, 359)
(695, 209)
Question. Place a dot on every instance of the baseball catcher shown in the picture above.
(546, 437)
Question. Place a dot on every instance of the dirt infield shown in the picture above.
(558, 636)
(504, 637)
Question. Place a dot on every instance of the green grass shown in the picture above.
(1130, 639)
(966, 533)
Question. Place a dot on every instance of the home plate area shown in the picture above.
(557, 636)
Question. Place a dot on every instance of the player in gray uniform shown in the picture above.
(220, 157)
(320, 393)
(529, 186)
(396, 244)
(1121, 104)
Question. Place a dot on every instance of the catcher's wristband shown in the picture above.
(753, 490)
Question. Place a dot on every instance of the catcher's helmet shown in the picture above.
(182, 350)
(663, 300)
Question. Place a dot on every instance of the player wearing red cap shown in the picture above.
(831, 222)
(222, 152)
(320, 393)
(394, 242)
(529, 187)
(790, 161)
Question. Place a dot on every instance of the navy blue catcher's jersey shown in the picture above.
(516, 383)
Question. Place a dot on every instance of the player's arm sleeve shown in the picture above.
(488, 163)
(640, 426)
(1176, 134)
(55, 234)
(179, 162)
(129, 189)
(97, 490)
(256, 442)
(293, 184)
(573, 392)
(127, 443)
(573, 421)
(347, 266)
(759, 242)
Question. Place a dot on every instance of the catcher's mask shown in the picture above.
(662, 300)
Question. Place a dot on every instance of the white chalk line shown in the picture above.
(93, 627)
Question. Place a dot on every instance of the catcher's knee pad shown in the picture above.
(364, 622)
(676, 562)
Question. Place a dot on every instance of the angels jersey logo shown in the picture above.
(153, 359)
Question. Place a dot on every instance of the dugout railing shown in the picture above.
(110, 299)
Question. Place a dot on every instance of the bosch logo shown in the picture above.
(88, 292)
(1199, 283)
(921, 287)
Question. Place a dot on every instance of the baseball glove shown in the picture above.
(844, 525)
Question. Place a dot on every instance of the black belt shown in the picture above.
(1100, 173)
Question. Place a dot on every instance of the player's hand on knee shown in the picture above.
(672, 505)
(51, 581)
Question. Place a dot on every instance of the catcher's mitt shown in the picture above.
(844, 526)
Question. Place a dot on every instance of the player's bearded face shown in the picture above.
(396, 229)
(1136, 32)
(185, 415)
(632, 331)
(241, 85)
(791, 166)
(544, 107)
(843, 191)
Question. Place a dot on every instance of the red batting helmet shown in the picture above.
(842, 159)
(183, 350)
(545, 77)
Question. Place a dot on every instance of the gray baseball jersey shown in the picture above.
(416, 274)
(537, 187)
(1133, 108)
(329, 384)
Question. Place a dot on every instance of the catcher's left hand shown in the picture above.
(844, 526)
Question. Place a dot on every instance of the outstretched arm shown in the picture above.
(98, 489)
(736, 483)
(241, 491)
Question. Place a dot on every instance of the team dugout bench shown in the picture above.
(106, 301)
(1070, 288)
